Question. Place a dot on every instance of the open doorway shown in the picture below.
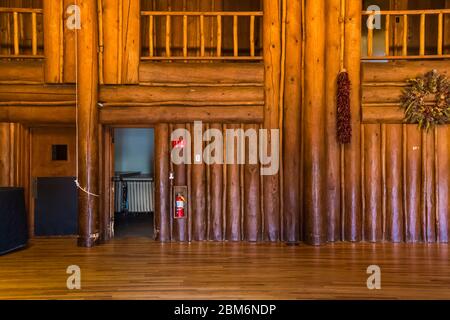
(134, 199)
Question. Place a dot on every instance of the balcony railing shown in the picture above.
(210, 46)
(402, 49)
(19, 36)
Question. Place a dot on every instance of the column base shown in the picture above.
(86, 242)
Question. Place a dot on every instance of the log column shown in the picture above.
(87, 120)
(272, 62)
(352, 152)
(314, 125)
(292, 123)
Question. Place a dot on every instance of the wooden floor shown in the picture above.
(142, 269)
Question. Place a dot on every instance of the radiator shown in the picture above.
(134, 195)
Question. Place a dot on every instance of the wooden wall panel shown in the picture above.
(414, 171)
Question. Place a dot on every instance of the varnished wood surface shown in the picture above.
(143, 269)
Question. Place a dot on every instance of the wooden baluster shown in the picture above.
(202, 35)
(151, 44)
(168, 31)
(370, 36)
(34, 33)
(405, 35)
(219, 35)
(387, 45)
(422, 34)
(16, 33)
(440, 34)
(185, 36)
(252, 36)
(235, 36)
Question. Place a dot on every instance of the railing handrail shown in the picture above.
(203, 13)
(406, 12)
(21, 10)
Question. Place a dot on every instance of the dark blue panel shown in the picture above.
(56, 207)
(13, 220)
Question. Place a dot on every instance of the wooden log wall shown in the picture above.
(391, 183)
(224, 199)
(408, 201)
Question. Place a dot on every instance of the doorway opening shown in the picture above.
(133, 180)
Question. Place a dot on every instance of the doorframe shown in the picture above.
(106, 143)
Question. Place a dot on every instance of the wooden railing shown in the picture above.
(403, 53)
(12, 37)
(203, 53)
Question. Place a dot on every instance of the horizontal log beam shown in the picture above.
(172, 114)
(401, 71)
(201, 73)
(33, 115)
(37, 93)
(184, 96)
(386, 114)
(13, 72)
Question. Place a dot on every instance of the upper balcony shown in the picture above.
(221, 31)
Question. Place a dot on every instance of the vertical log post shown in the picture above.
(332, 67)
(52, 40)
(217, 178)
(162, 193)
(314, 129)
(352, 154)
(251, 198)
(292, 123)
(87, 119)
(272, 60)
(198, 213)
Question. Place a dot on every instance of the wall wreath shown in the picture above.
(427, 100)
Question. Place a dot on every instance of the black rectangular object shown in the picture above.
(56, 207)
(13, 220)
